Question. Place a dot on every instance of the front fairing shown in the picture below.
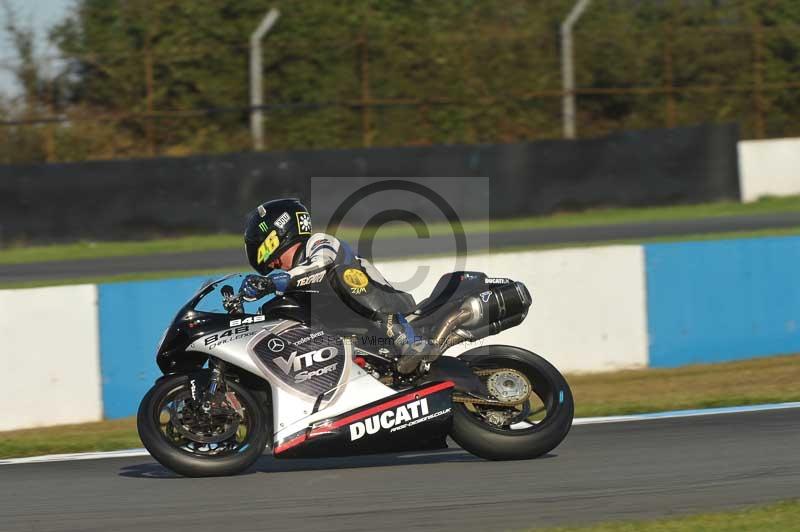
(202, 314)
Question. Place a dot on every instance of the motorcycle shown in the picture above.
(237, 382)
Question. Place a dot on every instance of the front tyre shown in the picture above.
(221, 436)
(525, 430)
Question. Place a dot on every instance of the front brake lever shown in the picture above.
(231, 303)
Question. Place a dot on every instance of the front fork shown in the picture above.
(216, 381)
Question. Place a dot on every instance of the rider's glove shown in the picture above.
(255, 287)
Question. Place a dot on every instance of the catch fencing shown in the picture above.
(141, 198)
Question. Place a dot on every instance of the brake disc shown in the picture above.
(186, 422)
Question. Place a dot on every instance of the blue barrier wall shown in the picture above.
(722, 300)
(133, 316)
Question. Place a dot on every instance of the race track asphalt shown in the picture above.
(617, 471)
(233, 259)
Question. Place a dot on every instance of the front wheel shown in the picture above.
(510, 428)
(221, 435)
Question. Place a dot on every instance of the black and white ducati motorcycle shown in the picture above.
(236, 383)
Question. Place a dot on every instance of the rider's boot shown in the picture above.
(413, 355)
(414, 350)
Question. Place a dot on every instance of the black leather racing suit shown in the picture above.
(333, 274)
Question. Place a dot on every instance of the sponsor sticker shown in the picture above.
(356, 280)
(485, 296)
(311, 279)
(496, 280)
(303, 223)
(308, 338)
(251, 319)
(276, 345)
(395, 419)
(281, 221)
(297, 364)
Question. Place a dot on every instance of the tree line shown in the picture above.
(137, 78)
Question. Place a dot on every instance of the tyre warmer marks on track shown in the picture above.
(127, 453)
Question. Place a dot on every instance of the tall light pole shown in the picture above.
(256, 89)
(568, 68)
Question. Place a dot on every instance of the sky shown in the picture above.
(41, 14)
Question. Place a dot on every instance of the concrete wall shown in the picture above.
(725, 300)
(49, 356)
(588, 311)
(769, 168)
(594, 309)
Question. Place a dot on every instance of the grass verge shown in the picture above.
(779, 517)
(211, 273)
(765, 380)
(92, 250)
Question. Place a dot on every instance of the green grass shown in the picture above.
(21, 254)
(92, 279)
(763, 380)
(780, 517)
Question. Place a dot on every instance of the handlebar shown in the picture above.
(232, 303)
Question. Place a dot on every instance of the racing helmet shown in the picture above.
(272, 228)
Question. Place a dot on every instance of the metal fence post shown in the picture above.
(256, 88)
(568, 68)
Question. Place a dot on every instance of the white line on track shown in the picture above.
(130, 453)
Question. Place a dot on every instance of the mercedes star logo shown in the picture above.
(275, 345)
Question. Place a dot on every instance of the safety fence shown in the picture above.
(143, 198)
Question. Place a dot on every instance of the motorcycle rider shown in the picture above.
(278, 236)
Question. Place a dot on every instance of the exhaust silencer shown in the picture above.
(495, 310)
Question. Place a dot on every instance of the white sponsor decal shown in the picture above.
(276, 345)
(303, 376)
(308, 338)
(303, 223)
(395, 419)
(496, 280)
(485, 296)
(282, 220)
(295, 362)
(311, 279)
(251, 319)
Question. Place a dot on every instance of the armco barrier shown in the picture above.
(723, 300)
(49, 356)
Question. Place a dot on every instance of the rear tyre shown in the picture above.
(521, 439)
(183, 438)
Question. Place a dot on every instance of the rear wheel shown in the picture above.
(508, 428)
(221, 436)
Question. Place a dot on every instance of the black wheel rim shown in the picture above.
(226, 428)
(535, 414)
